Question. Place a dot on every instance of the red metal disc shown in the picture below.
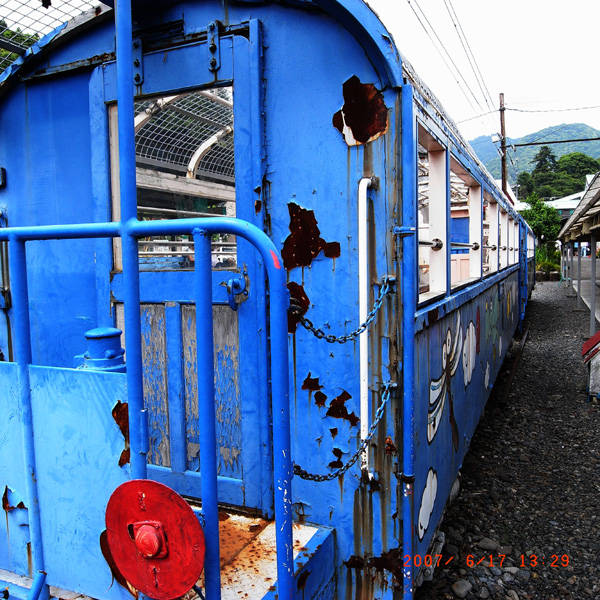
(155, 539)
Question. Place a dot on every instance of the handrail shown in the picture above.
(434, 244)
(473, 246)
(201, 229)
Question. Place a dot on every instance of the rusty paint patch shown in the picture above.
(390, 561)
(336, 464)
(301, 584)
(120, 413)
(311, 384)
(305, 243)
(299, 304)
(355, 562)
(333, 431)
(320, 399)
(432, 316)
(257, 206)
(6, 503)
(390, 447)
(338, 410)
(364, 116)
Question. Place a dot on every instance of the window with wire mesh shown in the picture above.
(185, 139)
(24, 22)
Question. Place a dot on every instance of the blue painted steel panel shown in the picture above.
(14, 537)
(78, 448)
(459, 356)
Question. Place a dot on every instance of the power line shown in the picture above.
(478, 116)
(456, 69)
(469, 53)
(553, 110)
(594, 139)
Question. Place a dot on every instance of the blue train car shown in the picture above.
(314, 280)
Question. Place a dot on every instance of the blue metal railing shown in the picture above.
(202, 230)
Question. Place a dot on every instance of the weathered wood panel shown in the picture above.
(227, 390)
(154, 363)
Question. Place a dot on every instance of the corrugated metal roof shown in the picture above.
(24, 22)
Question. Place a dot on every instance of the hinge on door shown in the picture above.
(214, 54)
(138, 62)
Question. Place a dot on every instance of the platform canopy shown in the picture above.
(586, 216)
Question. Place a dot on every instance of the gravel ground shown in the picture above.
(530, 483)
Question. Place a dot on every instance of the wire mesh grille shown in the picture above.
(179, 125)
(24, 22)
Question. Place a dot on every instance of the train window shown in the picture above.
(511, 241)
(490, 235)
(517, 242)
(530, 245)
(465, 226)
(433, 211)
(503, 241)
(184, 168)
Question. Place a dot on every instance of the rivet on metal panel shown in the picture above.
(214, 55)
(138, 63)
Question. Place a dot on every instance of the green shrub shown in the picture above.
(547, 266)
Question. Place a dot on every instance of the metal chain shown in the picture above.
(386, 287)
(363, 444)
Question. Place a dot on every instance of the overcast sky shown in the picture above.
(542, 54)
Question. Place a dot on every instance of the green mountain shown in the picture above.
(520, 158)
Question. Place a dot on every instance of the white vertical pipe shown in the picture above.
(363, 300)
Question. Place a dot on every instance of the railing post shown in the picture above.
(206, 411)
(128, 202)
(18, 269)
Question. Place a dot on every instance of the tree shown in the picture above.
(553, 178)
(545, 161)
(543, 219)
(525, 183)
(577, 165)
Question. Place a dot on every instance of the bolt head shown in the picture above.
(148, 541)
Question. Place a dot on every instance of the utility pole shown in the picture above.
(503, 147)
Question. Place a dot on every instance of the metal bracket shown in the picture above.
(403, 231)
(214, 54)
(236, 286)
(138, 62)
